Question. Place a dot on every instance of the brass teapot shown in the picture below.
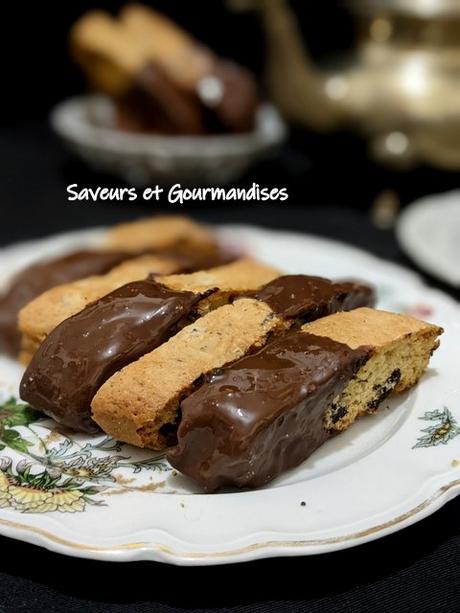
(400, 87)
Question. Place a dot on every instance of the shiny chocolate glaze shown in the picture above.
(263, 414)
(308, 298)
(86, 349)
(36, 279)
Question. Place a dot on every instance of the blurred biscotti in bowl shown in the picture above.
(167, 107)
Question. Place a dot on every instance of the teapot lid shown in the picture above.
(417, 8)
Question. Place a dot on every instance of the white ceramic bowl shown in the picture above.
(86, 124)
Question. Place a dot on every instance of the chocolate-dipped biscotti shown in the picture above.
(401, 349)
(145, 97)
(184, 244)
(159, 78)
(40, 316)
(267, 412)
(37, 278)
(44, 313)
(227, 92)
(139, 404)
(163, 42)
(240, 373)
(84, 350)
(115, 63)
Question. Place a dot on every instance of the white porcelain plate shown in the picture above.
(429, 232)
(95, 498)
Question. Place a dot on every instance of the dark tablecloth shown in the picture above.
(415, 570)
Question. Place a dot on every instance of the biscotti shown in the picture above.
(163, 42)
(42, 315)
(183, 240)
(401, 349)
(140, 403)
(115, 63)
(109, 56)
(239, 277)
(87, 348)
(167, 232)
(263, 414)
(267, 412)
(37, 278)
(195, 69)
(159, 78)
(84, 350)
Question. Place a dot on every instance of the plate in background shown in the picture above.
(429, 232)
(92, 497)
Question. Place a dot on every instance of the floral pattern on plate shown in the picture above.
(443, 429)
(54, 472)
(360, 486)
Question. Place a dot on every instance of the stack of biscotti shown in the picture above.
(159, 77)
(42, 315)
(146, 401)
(178, 243)
(88, 347)
(145, 412)
(73, 351)
(238, 372)
(248, 422)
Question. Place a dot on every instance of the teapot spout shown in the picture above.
(293, 82)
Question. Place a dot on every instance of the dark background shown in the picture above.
(332, 186)
(318, 169)
(41, 72)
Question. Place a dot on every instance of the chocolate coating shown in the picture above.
(36, 279)
(155, 103)
(263, 414)
(223, 100)
(229, 96)
(86, 349)
(308, 298)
